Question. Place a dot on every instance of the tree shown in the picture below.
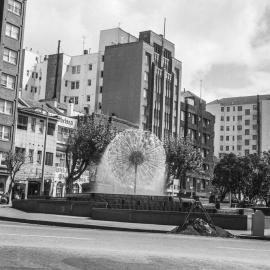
(14, 162)
(230, 173)
(257, 183)
(86, 146)
(181, 157)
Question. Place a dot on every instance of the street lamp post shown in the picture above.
(44, 152)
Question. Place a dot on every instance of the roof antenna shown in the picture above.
(83, 42)
(201, 82)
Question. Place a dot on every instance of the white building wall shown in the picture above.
(265, 125)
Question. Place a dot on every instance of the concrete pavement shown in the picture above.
(8, 213)
(31, 246)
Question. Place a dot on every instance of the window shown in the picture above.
(239, 108)
(254, 127)
(67, 69)
(233, 118)
(246, 152)
(228, 118)
(227, 138)
(246, 142)
(221, 128)
(247, 122)
(31, 155)
(228, 109)
(234, 108)
(12, 31)
(5, 132)
(239, 147)
(25, 88)
(233, 128)
(146, 77)
(239, 127)
(221, 138)
(239, 137)
(77, 84)
(51, 129)
(222, 109)
(15, 7)
(254, 147)
(247, 132)
(233, 138)
(88, 98)
(254, 116)
(66, 83)
(22, 122)
(227, 148)
(41, 126)
(49, 159)
(72, 85)
(222, 118)
(65, 98)
(221, 148)
(39, 156)
(10, 56)
(89, 82)
(227, 128)
(33, 124)
(254, 107)
(101, 74)
(2, 159)
(8, 81)
(76, 100)
(254, 137)
(100, 89)
(102, 58)
(247, 111)
(144, 93)
(73, 69)
(239, 118)
(78, 69)
(90, 66)
(6, 107)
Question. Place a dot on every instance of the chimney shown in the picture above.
(70, 109)
(85, 51)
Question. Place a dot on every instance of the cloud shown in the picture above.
(211, 37)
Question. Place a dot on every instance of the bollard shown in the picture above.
(258, 223)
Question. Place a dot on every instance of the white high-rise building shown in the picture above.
(242, 124)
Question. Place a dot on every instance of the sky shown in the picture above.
(224, 43)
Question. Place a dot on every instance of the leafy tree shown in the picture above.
(229, 174)
(257, 183)
(86, 146)
(181, 157)
(14, 162)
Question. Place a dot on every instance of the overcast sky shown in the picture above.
(225, 43)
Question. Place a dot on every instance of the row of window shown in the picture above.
(23, 124)
(238, 137)
(239, 118)
(77, 69)
(239, 109)
(239, 127)
(239, 148)
(74, 100)
(76, 84)
(194, 119)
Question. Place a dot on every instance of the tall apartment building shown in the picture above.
(242, 124)
(12, 14)
(142, 82)
(79, 78)
(198, 124)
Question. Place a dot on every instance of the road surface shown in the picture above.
(24, 246)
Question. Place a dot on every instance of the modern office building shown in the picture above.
(142, 82)
(242, 124)
(12, 15)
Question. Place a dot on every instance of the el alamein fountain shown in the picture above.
(134, 163)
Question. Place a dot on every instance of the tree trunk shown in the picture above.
(69, 185)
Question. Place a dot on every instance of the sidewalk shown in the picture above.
(10, 214)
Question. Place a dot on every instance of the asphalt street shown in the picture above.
(24, 246)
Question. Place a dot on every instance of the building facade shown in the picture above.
(12, 15)
(142, 82)
(242, 125)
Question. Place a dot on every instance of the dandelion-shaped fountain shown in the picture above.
(136, 157)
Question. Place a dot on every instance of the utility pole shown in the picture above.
(56, 71)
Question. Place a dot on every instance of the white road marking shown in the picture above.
(47, 236)
(246, 249)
